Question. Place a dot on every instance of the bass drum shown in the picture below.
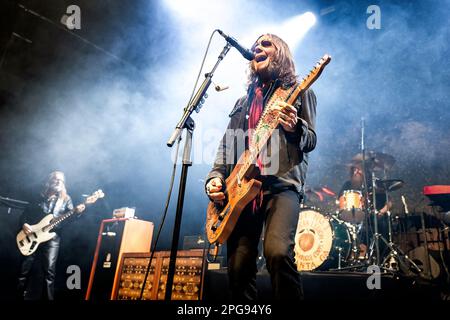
(321, 241)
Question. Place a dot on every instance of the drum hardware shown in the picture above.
(389, 185)
(396, 258)
(371, 162)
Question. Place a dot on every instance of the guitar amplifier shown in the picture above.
(116, 237)
(187, 282)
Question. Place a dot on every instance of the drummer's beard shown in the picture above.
(357, 181)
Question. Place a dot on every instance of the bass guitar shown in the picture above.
(41, 232)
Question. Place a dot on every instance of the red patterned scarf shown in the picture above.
(256, 110)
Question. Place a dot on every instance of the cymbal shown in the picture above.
(389, 185)
(328, 191)
(320, 192)
(376, 161)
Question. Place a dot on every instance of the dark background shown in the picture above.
(100, 103)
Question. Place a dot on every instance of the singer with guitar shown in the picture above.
(56, 201)
(278, 201)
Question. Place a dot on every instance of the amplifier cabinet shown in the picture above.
(187, 282)
(116, 237)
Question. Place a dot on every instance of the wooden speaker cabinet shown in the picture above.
(115, 238)
(187, 282)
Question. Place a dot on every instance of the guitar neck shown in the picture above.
(60, 219)
(269, 122)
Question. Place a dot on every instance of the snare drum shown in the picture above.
(321, 243)
(351, 205)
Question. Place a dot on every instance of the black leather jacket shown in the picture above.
(293, 149)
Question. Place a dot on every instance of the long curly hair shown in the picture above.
(282, 67)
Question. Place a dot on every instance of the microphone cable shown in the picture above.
(202, 65)
(163, 219)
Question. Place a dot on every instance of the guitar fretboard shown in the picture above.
(264, 129)
(269, 120)
(60, 219)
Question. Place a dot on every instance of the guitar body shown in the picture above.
(28, 244)
(221, 219)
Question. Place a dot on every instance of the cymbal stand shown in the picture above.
(365, 191)
(395, 253)
(375, 221)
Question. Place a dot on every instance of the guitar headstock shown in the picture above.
(94, 197)
(315, 72)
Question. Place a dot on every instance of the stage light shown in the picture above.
(294, 29)
(291, 30)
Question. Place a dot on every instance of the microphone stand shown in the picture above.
(187, 123)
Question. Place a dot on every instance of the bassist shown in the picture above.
(56, 201)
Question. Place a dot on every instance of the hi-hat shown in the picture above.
(389, 185)
(376, 161)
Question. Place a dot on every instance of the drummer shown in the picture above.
(356, 185)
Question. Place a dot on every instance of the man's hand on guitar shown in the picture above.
(80, 208)
(288, 116)
(213, 190)
(27, 229)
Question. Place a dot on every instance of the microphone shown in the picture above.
(221, 88)
(246, 53)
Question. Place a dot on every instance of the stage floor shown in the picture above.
(334, 286)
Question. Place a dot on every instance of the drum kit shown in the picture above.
(335, 241)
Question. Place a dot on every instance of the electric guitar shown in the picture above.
(28, 244)
(242, 186)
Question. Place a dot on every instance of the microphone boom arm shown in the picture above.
(199, 95)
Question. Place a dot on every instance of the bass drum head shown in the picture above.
(313, 240)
